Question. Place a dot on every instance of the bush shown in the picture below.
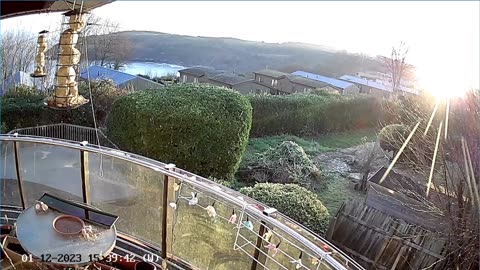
(391, 137)
(294, 201)
(201, 128)
(285, 163)
(312, 114)
(24, 107)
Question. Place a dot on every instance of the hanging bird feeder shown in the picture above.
(39, 71)
(66, 86)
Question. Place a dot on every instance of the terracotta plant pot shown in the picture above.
(68, 225)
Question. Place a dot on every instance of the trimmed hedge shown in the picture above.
(201, 128)
(312, 114)
(296, 202)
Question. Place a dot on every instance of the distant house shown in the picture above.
(120, 79)
(285, 83)
(376, 88)
(241, 84)
(367, 86)
(18, 79)
(340, 86)
(197, 74)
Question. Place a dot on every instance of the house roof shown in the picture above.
(200, 71)
(271, 73)
(229, 78)
(100, 73)
(331, 81)
(305, 81)
(365, 82)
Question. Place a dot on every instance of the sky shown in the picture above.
(443, 36)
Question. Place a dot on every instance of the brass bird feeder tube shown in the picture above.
(66, 86)
(39, 71)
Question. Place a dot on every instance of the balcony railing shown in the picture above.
(154, 203)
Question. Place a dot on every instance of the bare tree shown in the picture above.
(105, 46)
(396, 67)
(18, 52)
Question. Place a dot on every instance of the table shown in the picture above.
(37, 237)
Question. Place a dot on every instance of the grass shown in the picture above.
(337, 190)
(312, 146)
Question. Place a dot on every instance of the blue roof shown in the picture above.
(331, 81)
(101, 73)
(365, 82)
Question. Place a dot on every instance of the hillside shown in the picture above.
(241, 55)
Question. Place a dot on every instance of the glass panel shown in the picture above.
(50, 169)
(206, 242)
(290, 250)
(10, 193)
(132, 192)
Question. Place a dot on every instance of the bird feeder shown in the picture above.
(40, 57)
(66, 88)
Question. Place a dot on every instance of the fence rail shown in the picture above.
(68, 132)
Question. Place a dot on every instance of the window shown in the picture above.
(259, 78)
(184, 78)
(274, 82)
(195, 80)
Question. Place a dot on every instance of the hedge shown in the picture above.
(312, 114)
(200, 128)
(23, 107)
(296, 202)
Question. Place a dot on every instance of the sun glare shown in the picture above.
(442, 85)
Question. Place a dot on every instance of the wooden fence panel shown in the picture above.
(379, 241)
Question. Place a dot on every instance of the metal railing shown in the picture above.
(335, 259)
(68, 132)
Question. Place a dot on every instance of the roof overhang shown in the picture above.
(10, 9)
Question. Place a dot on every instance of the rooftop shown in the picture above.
(365, 82)
(201, 71)
(229, 78)
(305, 81)
(331, 81)
(271, 73)
(99, 73)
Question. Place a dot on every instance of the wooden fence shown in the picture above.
(379, 241)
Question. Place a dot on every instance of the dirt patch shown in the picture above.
(349, 162)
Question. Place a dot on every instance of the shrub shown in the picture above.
(312, 114)
(24, 107)
(104, 95)
(391, 137)
(201, 128)
(285, 163)
(294, 201)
